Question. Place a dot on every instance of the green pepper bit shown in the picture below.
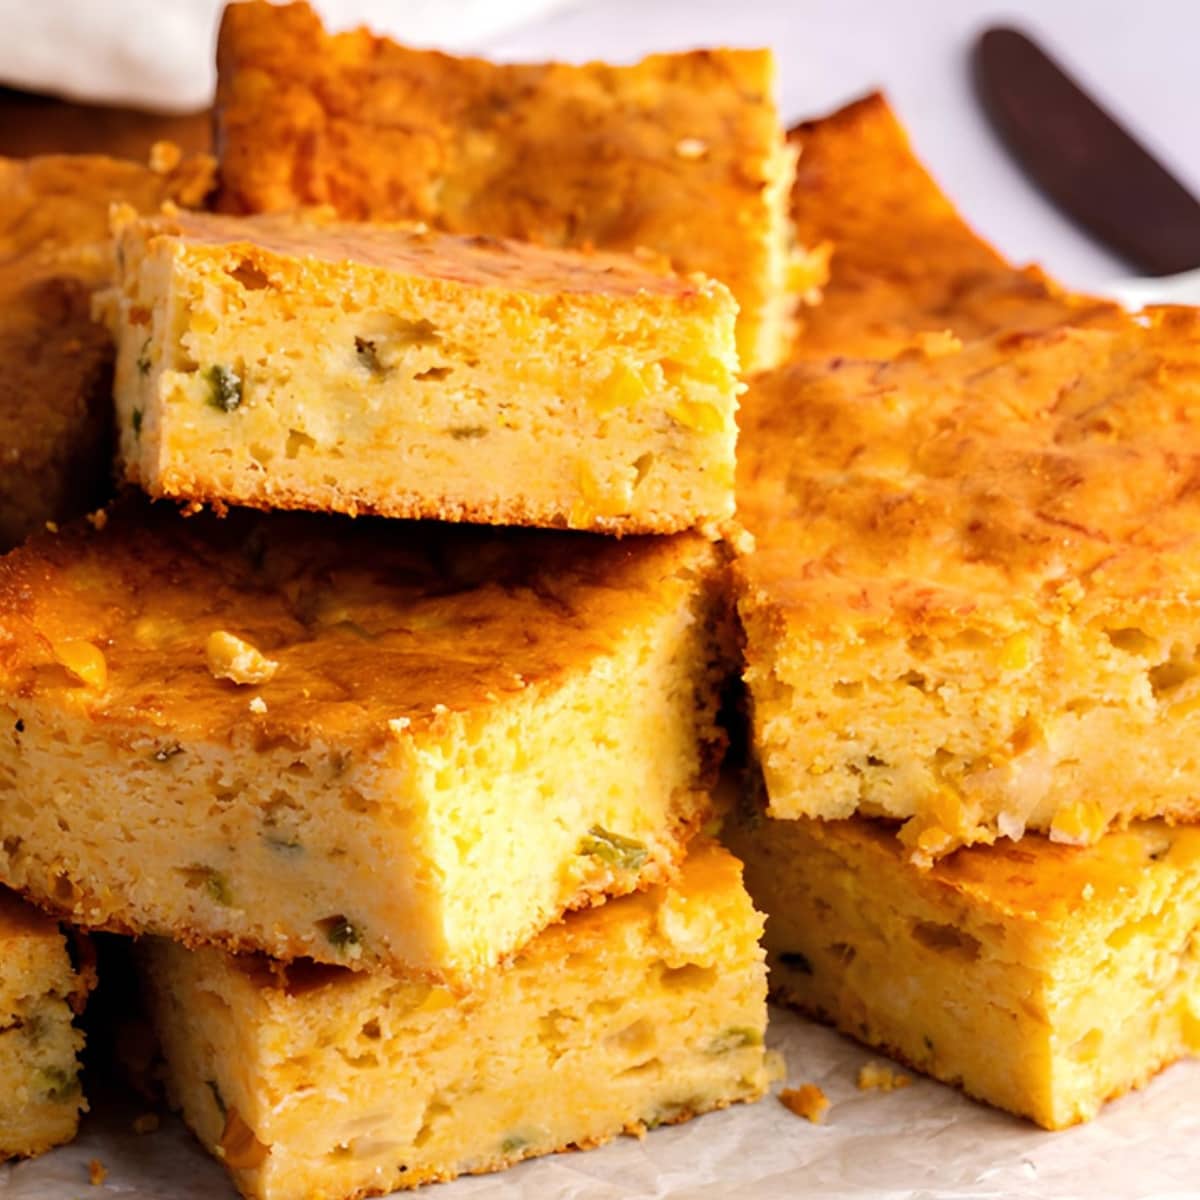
(624, 853)
(340, 933)
(368, 355)
(56, 1084)
(225, 388)
(737, 1037)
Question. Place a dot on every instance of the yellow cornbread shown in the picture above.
(55, 362)
(905, 264)
(1041, 978)
(302, 363)
(312, 1082)
(973, 602)
(681, 154)
(367, 742)
(40, 989)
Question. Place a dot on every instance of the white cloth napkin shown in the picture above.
(159, 53)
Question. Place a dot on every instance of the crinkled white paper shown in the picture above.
(922, 1141)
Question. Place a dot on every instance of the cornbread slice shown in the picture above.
(369, 743)
(905, 264)
(974, 603)
(682, 154)
(55, 363)
(311, 1081)
(40, 990)
(292, 363)
(1041, 978)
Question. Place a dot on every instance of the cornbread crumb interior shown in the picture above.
(452, 750)
(648, 1010)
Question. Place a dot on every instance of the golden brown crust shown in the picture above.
(287, 242)
(516, 513)
(676, 154)
(370, 621)
(904, 261)
(1022, 474)
(55, 363)
(1033, 880)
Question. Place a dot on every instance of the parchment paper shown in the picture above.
(922, 1141)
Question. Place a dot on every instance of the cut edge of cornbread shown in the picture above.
(302, 363)
(306, 1080)
(795, 275)
(282, 807)
(1040, 978)
(41, 991)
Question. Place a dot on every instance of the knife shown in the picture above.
(1078, 154)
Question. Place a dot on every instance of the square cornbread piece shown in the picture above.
(905, 265)
(295, 363)
(682, 154)
(55, 362)
(974, 601)
(1041, 978)
(40, 992)
(367, 742)
(313, 1081)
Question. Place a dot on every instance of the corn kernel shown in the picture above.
(598, 501)
(229, 657)
(623, 388)
(1079, 824)
(83, 660)
(694, 415)
(1016, 653)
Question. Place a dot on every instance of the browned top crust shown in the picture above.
(412, 249)
(676, 154)
(370, 622)
(55, 363)
(1034, 879)
(904, 261)
(1027, 473)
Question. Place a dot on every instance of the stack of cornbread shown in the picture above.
(412, 816)
(971, 635)
(408, 792)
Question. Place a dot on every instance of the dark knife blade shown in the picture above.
(1091, 167)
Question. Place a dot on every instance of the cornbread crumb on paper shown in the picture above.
(807, 1101)
(97, 1172)
(881, 1077)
